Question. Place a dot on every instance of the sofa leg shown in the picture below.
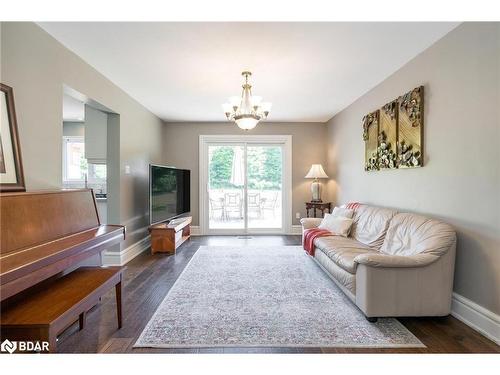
(372, 319)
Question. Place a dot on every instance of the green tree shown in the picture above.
(264, 166)
(272, 167)
(220, 167)
(254, 167)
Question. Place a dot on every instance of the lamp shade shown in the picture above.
(246, 123)
(316, 171)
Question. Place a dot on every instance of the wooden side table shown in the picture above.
(320, 206)
(166, 238)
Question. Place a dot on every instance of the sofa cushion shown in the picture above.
(411, 234)
(343, 212)
(370, 225)
(345, 279)
(342, 251)
(336, 224)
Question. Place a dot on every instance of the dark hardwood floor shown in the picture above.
(148, 279)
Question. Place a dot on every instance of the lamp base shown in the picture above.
(316, 191)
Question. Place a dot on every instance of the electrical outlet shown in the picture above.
(127, 169)
(297, 215)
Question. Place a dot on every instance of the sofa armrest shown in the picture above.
(395, 261)
(412, 290)
(310, 222)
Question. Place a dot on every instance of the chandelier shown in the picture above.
(246, 111)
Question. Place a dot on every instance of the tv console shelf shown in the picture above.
(166, 238)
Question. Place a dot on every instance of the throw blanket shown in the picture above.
(310, 235)
(353, 205)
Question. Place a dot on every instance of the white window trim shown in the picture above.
(285, 140)
(67, 138)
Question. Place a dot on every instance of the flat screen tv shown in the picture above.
(169, 193)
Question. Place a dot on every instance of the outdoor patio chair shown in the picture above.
(217, 205)
(254, 203)
(270, 203)
(233, 204)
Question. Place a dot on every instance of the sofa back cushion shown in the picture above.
(343, 212)
(370, 224)
(411, 234)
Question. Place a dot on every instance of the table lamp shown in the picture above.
(316, 172)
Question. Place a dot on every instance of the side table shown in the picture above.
(320, 206)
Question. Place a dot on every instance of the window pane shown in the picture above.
(76, 165)
(226, 180)
(264, 193)
(97, 172)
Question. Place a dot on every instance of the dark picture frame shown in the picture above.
(11, 165)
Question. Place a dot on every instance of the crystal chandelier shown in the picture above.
(246, 111)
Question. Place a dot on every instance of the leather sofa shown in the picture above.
(392, 264)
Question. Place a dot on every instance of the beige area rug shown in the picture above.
(263, 297)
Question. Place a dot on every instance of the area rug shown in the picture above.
(263, 297)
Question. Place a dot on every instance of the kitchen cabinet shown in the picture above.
(95, 135)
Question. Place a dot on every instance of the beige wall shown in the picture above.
(37, 66)
(181, 141)
(460, 180)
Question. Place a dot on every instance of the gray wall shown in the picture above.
(460, 180)
(37, 66)
(181, 142)
(73, 129)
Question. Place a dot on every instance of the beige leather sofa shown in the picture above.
(392, 264)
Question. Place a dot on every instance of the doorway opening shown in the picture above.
(91, 151)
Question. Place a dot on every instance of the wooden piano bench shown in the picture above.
(41, 313)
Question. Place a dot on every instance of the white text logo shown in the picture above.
(24, 346)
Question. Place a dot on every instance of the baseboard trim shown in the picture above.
(114, 258)
(296, 229)
(195, 230)
(484, 321)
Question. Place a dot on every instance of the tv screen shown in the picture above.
(169, 192)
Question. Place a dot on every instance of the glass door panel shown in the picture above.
(264, 186)
(226, 187)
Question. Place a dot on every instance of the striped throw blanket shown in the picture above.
(310, 235)
(353, 205)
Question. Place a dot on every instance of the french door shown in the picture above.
(245, 184)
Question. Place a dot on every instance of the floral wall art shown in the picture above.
(393, 134)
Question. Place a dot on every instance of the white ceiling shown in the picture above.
(185, 71)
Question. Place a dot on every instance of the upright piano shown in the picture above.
(44, 236)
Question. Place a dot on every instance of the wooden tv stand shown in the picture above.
(166, 238)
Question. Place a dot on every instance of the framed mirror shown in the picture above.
(11, 167)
